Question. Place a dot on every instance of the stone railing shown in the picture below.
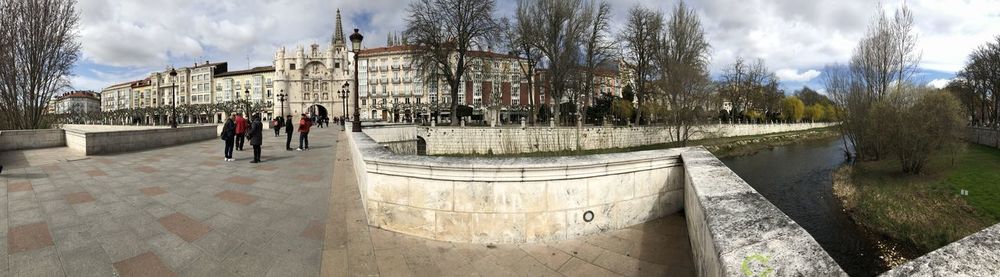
(514, 200)
(984, 136)
(442, 140)
(975, 255)
(102, 140)
(735, 231)
(31, 139)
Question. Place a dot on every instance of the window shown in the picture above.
(326, 96)
(363, 102)
(305, 96)
(291, 66)
(336, 65)
(418, 101)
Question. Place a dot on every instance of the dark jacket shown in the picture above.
(255, 132)
(288, 126)
(228, 131)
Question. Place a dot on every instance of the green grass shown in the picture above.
(926, 210)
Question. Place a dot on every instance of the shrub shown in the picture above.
(931, 123)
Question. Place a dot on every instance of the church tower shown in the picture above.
(338, 33)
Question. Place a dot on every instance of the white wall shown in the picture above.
(506, 140)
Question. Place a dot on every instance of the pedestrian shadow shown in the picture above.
(277, 158)
(321, 147)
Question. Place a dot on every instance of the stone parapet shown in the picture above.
(514, 200)
(31, 139)
(984, 136)
(101, 140)
(735, 231)
(443, 140)
(975, 255)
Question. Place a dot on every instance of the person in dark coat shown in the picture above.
(288, 133)
(229, 135)
(241, 130)
(255, 134)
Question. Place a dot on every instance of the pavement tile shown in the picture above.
(236, 197)
(18, 187)
(240, 180)
(147, 265)
(28, 237)
(152, 191)
(577, 267)
(79, 198)
(41, 262)
(122, 245)
(216, 245)
(96, 173)
(314, 231)
(147, 169)
(87, 261)
(173, 251)
(247, 260)
(184, 226)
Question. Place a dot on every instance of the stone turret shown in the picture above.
(279, 59)
(300, 58)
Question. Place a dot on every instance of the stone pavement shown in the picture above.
(352, 248)
(175, 211)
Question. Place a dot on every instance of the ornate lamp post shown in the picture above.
(173, 98)
(281, 98)
(344, 93)
(246, 92)
(356, 47)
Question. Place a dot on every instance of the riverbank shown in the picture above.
(924, 212)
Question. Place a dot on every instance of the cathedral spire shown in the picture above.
(338, 35)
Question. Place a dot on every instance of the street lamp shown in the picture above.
(281, 98)
(173, 100)
(246, 92)
(344, 93)
(356, 47)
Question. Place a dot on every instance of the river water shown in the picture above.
(797, 179)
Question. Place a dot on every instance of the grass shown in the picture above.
(721, 147)
(925, 211)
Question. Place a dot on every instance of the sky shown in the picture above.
(124, 40)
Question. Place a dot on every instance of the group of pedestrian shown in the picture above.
(236, 130)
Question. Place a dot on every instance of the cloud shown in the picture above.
(793, 35)
(939, 83)
(792, 75)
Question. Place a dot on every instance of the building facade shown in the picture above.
(312, 78)
(255, 85)
(76, 102)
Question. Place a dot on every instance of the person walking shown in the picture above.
(228, 135)
(241, 130)
(276, 125)
(288, 133)
(304, 125)
(256, 136)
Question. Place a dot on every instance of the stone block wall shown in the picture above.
(104, 142)
(515, 200)
(984, 136)
(512, 140)
(731, 225)
(31, 139)
(975, 255)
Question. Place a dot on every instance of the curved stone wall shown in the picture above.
(513, 200)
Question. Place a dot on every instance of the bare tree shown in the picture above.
(981, 76)
(682, 57)
(38, 47)
(560, 26)
(444, 32)
(639, 35)
(520, 38)
(597, 51)
(883, 63)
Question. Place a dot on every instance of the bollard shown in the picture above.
(434, 122)
(552, 122)
(522, 123)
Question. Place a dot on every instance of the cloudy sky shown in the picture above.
(123, 40)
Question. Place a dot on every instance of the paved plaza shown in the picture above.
(176, 211)
(183, 211)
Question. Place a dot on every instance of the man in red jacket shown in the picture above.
(304, 125)
(241, 131)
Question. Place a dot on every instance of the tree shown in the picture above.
(930, 124)
(980, 79)
(682, 58)
(751, 87)
(815, 112)
(810, 96)
(640, 36)
(597, 49)
(883, 62)
(38, 48)
(520, 38)
(622, 109)
(560, 26)
(444, 31)
(793, 109)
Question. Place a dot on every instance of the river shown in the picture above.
(797, 179)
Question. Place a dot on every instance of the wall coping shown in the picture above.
(510, 169)
(975, 255)
(743, 226)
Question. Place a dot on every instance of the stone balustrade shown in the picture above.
(31, 139)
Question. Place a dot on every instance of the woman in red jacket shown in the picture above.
(241, 130)
(304, 125)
